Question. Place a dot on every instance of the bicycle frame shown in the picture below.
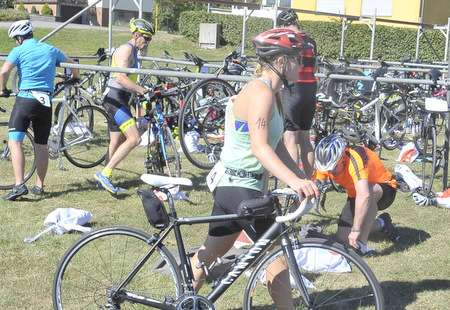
(379, 107)
(242, 263)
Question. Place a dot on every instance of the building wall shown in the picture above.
(39, 5)
(435, 12)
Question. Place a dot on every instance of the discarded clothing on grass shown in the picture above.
(409, 153)
(63, 220)
(403, 172)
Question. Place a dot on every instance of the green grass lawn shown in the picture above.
(414, 273)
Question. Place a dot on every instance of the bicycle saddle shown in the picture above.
(160, 181)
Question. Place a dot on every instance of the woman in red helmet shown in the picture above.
(253, 145)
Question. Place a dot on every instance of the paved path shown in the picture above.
(54, 25)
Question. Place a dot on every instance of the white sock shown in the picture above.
(381, 221)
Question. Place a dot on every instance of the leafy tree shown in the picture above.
(7, 4)
(169, 12)
(33, 10)
(46, 10)
(21, 7)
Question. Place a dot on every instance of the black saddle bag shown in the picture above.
(154, 209)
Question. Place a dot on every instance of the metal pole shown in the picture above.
(344, 26)
(68, 21)
(244, 27)
(447, 133)
(372, 43)
(110, 26)
(446, 58)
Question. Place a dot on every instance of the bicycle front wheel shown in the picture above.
(7, 180)
(335, 278)
(85, 137)
(90, 271)
(429, 159)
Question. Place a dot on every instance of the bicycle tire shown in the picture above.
(358, 289)
(7, 181)
(396, 115)
(99, 261)
(85, 137)
(203, 111)
(429, 158)
(322, 82)
(172, 163)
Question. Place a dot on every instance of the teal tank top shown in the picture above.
(237, 152)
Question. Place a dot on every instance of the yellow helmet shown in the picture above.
(142, 26)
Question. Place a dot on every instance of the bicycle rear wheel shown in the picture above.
(85, 137)
(335, 278)
(429, 160)
(7, 181)
(202, 121)
(90, 271)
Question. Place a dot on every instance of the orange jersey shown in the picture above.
(361, 163)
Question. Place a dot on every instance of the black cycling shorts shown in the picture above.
(348, 212)
(299, 108)
(226, 201)
(118, 110)
(28, 111)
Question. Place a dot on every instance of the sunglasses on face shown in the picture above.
(147, 39)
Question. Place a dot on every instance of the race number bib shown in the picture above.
(42, 97)
(215, 175)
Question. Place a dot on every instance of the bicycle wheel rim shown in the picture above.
(98, 262)
(358, 289)
(85, 137)
(428, 160)
(7, 180)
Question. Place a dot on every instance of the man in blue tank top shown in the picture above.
(124, 134)
(36, 65)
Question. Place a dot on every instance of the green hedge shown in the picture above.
(231, 26)
(13, 15)
(391, 43)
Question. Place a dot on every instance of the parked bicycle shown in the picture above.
(162, 154)
(81, 131)
(120, 267)
(202, 121)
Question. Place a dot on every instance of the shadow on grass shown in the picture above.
(410, 237)
(399, 295)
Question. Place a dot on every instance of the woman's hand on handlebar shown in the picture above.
(305, 189)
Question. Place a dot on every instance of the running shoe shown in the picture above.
(36, 190)
(389, 228)
(17, 191)
(106, 183)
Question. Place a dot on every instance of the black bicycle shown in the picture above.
(122, 267)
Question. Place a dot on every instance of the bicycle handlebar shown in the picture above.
(305, 205)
